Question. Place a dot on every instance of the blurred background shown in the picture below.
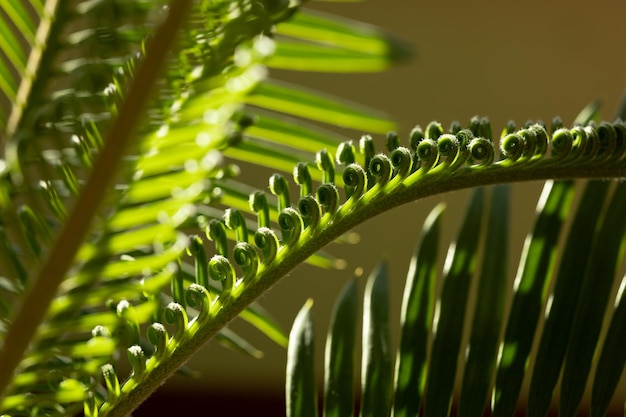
(530, 60)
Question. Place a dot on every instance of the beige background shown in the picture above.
(505, 60)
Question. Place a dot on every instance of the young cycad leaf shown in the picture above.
(562, 303)
(530, 291)
(392, 180)
(235, 292)
(418, 304)
(311, 42)
(254, 314)
(564, 298)
(591, 308)
(300, 385)
(376, 362)
(340, 354)
(273, 139)
(114, 288)
(493, 283)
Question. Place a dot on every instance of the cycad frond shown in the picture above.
(573, 294)
(77, 125)
(19, 22)
(170, 179)
(433, 161)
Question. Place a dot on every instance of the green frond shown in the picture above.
(67, 134)
(418, 307)
(567, 288)
(121, 135)
(18, 25)
(340, 354)
(432, 158)
(299, 102)
(450, 310)
(301, 386)
(529, 294)
(590, 312)
(498, 355)
(345, 36)
(489, 311)
(376, 362)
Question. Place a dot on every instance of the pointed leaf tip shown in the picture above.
(376, 363)
(339, 359)
(300, 385)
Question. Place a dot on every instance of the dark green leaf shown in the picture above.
(339, 357)
(300, 385)
(612, 359)
(451, 309)
(489, 311)
(530, 287)
(594, 297)
(376, 365)
(418, 305)
(561, 308)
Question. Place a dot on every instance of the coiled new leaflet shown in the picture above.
(429, 164)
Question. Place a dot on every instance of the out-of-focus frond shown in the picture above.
(77, 85)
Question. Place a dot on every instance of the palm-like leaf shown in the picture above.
(498, 352)
(116, 128)
(78, 105)
(18, 24)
